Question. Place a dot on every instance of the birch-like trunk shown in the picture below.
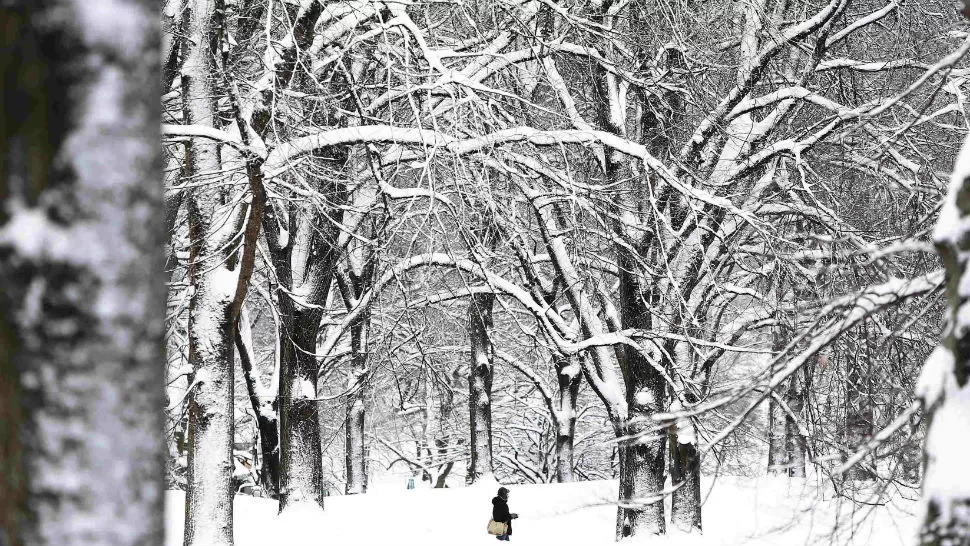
(777, 417)
(685, 457)
(82, 296)
(777, 438)
(480, 386)
(787, 447)
(795, 442)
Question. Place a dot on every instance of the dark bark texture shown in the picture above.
(480, 373)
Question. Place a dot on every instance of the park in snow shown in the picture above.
(766, 511)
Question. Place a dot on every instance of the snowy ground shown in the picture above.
(757, 512)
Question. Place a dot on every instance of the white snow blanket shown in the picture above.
(737, 511)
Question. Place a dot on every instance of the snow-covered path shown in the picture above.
(762, 512)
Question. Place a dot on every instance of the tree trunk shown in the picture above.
(82, 296)
(356, 412)
(777, 417)
(795, 442)
(568, 376)
(301, 475)
(786, 444)
(262, 404)
(643, 455)
(858, 404)
(685, 472)
(944, 384)
(480, 386)
(304, 259)
(777, 438)
(214, 273)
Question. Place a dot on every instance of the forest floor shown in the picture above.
(737, 511)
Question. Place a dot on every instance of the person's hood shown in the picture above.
(497, 500)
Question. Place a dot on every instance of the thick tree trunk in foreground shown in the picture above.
(82, 295)
(480, 385)
(944, 384)
(304, 260)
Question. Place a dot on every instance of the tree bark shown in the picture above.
(685, 472)
(208, 509)
(301, 474)
(219, 271)
(568, 378)
(777, 438)
(266, 422)
(355, 453)
(643, 459)
(944, 384)
(82, 294)
(795, 442)
(480, 386)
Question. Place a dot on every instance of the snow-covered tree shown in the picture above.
(81, 275)
(944, 383)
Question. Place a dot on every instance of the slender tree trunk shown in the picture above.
(795, 442)
(777, 417)
(82, 295)
(777, 438)
(858, 405)
(685, 459)
(355, 455)
(480, 386)
(787, 446)
(568, 377)
(262, 404)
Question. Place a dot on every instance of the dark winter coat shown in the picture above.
(500, 512)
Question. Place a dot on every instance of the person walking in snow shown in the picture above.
(500, 512)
